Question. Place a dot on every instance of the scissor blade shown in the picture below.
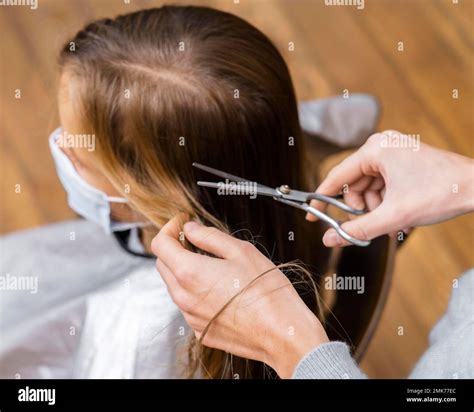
(219, 173)
(244, 188)
(262, 189)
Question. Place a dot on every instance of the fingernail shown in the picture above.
(331, 239)
(190, 226)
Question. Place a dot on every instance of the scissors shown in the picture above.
(286, 195)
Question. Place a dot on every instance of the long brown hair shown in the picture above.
(163, 88)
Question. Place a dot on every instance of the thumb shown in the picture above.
(367, 227)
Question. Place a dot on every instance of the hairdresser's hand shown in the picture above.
(267, 322)
(402, 187)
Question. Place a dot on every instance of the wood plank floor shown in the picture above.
(336, 48)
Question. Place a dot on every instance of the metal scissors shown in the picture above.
(286, 195)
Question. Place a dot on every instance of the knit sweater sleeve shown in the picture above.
(449, 356)
(331, 360)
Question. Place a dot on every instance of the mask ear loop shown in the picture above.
(123, 200)
(115, 199)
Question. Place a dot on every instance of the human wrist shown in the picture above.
(289, 344)
(465, 203)
(453, 188)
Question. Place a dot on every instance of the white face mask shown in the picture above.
(91, 203)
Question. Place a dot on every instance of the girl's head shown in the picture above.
(163, 88)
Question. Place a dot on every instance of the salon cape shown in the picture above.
(98, 311)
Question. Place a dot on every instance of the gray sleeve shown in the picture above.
(450, 354)
(331, 360)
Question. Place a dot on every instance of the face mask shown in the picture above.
(91, 203)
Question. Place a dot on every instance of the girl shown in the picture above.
(157, 90)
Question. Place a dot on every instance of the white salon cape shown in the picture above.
(97, 311)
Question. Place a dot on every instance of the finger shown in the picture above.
(372, 199)
(377, 184)
(345, 173)
(360, 185)
(211, 240)
(183, 298)
(170, 280)
(169, 249)
(366, 227)
(355, 200)
(321, 206)
(353, 196)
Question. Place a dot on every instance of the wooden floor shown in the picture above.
(336, 48)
